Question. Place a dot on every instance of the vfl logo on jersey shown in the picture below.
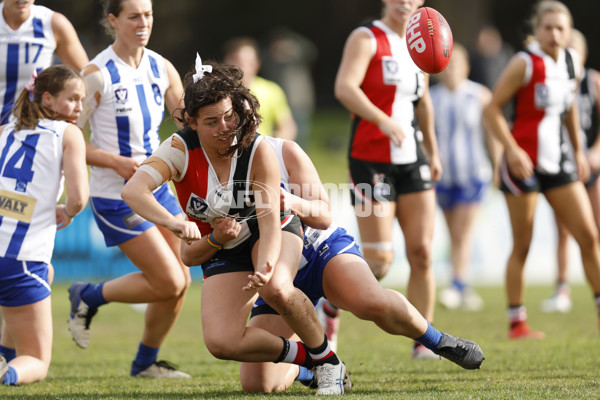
(121, 95)
(542, 95)
(196, 207)
(157, 94)
(391, 70)
(17, 206)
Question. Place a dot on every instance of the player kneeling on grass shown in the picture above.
(39, 147)
(222, 169)
(333, 267)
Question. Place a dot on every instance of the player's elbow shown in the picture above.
(128, 193)
(77, 201)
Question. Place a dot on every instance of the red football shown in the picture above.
(429, 40)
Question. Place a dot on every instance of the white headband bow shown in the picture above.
(201, 69)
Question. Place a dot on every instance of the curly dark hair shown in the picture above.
(225, 81)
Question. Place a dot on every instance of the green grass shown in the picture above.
(565, 365)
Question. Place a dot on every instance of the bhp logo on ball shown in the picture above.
(415, 40)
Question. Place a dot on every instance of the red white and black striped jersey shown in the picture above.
(394, 84)
(548, 91)
(203, 197)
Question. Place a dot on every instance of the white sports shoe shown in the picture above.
(332, 379)
(331, 325)
(80, 316)
(161, 369)
(471, 301)
(559, 302)
(450, 297)
(467, 300)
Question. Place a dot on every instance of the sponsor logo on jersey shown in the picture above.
(17, 206)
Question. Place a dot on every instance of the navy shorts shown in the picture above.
(23, 282)
(309, 278)
(117, 221)
(384, 182)
(239, 258)
(449, 197)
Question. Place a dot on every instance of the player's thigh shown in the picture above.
(416, 214)
(151, 253)
(225, 307)
(376, 226)
(349, 283)
(521, 210)
(288, 261)
(30, 326)
(461, 218)
(572, 207)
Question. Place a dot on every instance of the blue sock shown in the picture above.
(92, 295)
(7, 353)
(144, 358)
(304, 375)
(11, 377)
(430, 338)
(460, 285)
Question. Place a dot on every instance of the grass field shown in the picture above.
(566, 365)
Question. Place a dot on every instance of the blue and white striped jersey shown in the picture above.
(30, 47)
(130, 112)
(460, 134)
(30, 183)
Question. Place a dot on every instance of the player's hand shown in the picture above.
(185, 230)
(285, 199)
(259, 279)
(519, 163)
(583, 166)
(392, 130)
(226, 229)
(126, 167)
(62, 219)
(435, 165)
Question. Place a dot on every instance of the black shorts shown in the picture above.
(384, 182)
(239, 258)
(539, 182)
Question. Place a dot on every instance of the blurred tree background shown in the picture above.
(184, 27)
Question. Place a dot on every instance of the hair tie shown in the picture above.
(201, 69)
(30, 86)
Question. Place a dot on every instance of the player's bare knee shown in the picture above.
(419, 256)
(221, 349)
(257, 386)
(277, 296)
(520, 250)
(371, 308)
(379, 257)
(172, 287)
